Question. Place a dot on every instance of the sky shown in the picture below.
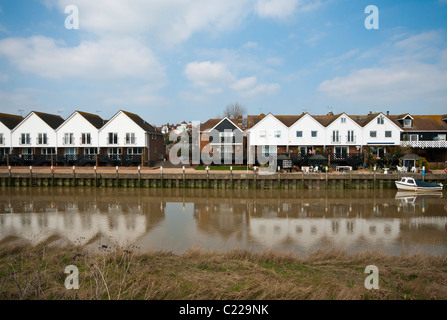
(185, 60)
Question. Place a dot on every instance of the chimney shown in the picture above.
(387, 113)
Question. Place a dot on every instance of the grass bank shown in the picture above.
(28, 272)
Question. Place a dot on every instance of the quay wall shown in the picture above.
(232, 180)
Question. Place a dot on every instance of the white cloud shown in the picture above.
(282, 9)
(248, 87)
(104, 59)
(207, 74)
(244, 84)
(395, 83)
(411, 69)
(171, 21)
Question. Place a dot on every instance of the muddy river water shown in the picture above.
(176, 220)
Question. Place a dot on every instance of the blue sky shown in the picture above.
(175, 60)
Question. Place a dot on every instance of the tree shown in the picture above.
(234, 110)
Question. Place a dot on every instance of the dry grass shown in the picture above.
(28, 272)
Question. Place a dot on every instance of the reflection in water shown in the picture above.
(179, 219)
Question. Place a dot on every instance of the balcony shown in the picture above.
(424, 144)
(351, 139)
(335, 139)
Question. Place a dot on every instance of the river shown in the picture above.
(298, 221)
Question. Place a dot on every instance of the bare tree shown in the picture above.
(234, 110)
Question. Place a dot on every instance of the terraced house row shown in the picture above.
(81, 139)
(342, 138)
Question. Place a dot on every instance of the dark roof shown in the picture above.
(211, 123)
(363, 120)
(10, 120)
(142, 123)
(422, 123)
(94, 119)
(54, 121)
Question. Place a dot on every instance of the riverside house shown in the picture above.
(129, 140)
(78, 138)
(82, 139)
(341, 137)
(223, 140)
(7, 123)
(35, 136)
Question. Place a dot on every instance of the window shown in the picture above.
(86, 138)
(299, 134)
(278, 134)
(2, 141)
(267, 150)
(68, 138)
(130, 138)
(373, 134)
(90, 151)
(262, 133)
(135, 151)
(48, 151)
(27, 151)
(380, 120)
(335, 136)
(42, 138)
(70, 151)
(343, 120)
(388, 134)
(113, 138)
(25, 138)
(351, 137)
(226, 137)
(341, 152)
(407, 123)
(114, 151)
(313, 134)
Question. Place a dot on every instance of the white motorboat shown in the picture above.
(411, 184)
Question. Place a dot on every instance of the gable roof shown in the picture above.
(10, 120)
(212, 123)
(52, 120)
(135, 118)
(422, 123)
(94, 119)
(142, 123)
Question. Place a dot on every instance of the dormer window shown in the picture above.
(408, 123)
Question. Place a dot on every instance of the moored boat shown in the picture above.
(411, 184)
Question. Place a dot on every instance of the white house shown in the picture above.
(344, 136)
(78, 135)
(268, 136)
(126, 135)
(7, 123)
(379, 132)
(306, 134)
(36, 135)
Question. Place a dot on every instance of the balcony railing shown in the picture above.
(350, 139)
(424, 144)
(335, 139)
(24, 142)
